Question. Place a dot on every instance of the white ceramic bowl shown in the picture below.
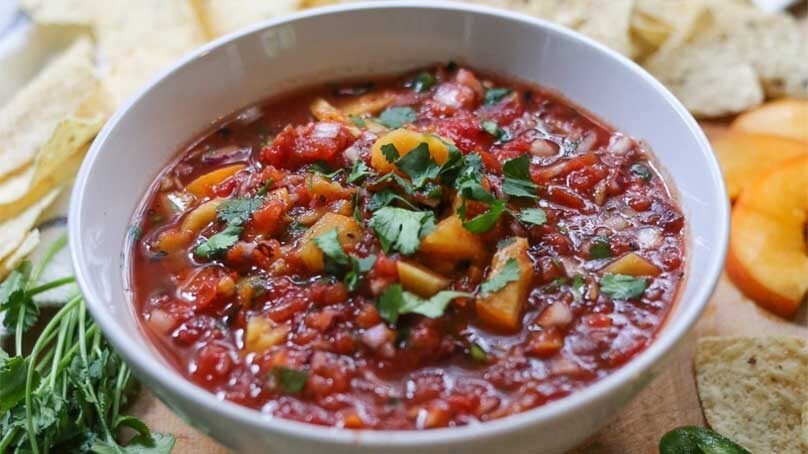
(366, 40)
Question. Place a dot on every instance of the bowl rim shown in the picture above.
(142, 357)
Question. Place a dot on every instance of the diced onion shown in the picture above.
(326, 130)
(619, 144)
(649, 237)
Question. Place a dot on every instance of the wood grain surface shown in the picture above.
(669, 401)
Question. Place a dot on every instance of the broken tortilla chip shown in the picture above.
(30, 118)
(57, 11)
(219, 17)
(752, 389)
(26, 247)
(139, 39)
(13, 231)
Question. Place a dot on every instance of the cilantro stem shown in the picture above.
(51, 285)
(8, 438)
(44, 338)
(88, 388)
(18, 330)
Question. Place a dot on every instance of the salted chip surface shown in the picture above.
(707, 80)
(13, 231)
(57, 92)
(219, 17)
(665, 23)
(58, 11)
(752, 389)
(137, 40)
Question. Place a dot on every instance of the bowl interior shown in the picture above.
(369, 40)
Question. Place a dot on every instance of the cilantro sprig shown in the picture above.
(68, 393)
(233, 212)
(401, 230)
(396, 117)
(339, 263)
(395, 301)
(517, 178)
(509, 273)
(621, 286)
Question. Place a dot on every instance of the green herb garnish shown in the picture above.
(419, 165)
(359, 172)
(641, 171)
(234, 212)
(396, 117)
(337, 262)
(220, 242)
(621, 286)
(291, 381)
(495, 95)
(491, 127)
(477, 353)
(358, 121)
(600, 248)
(400, 229)
(395, 302)
(423, 82)
(517, 178)
(238, 210)
(535, 216)
(485, 221)
(509, 273)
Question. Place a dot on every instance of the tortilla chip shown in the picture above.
(57, 11)
(26, 247)
(668, 23)
(752, 390)
(13, 231)
(606, 21)
(139, 39)
(219, 17)
(31, 117)
(708, 81)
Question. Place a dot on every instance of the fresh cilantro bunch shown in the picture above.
(67, 394)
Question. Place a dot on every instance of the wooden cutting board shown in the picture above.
(669, 401)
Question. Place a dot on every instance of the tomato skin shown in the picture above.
(318, 141)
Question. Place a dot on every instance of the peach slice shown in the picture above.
(744, 156)
(768, 258)
(785, 118)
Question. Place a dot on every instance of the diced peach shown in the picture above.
(419, 280)
(371, 103)
(405, 140)
(450, 241)
(200, 216)
(203, 185)
(786, 118)
(632, 264)
(768, 258)
(262, 333)
(349, 234)
(503, 309)
(744, 156)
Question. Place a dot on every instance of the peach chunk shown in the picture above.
(203, 185)
(744, 156)
(785, 118)
(405, 140)
(502, 309)
(768, 258)
(349, 234)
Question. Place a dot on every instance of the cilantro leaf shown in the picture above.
(238, 210)
(423, 82)
(359, 266)
(535, 216)
(395, 302)
(517, 178)
(13, 376)
(578, 283)
(495, 95)
(329, 243)
(419, 165)
(621, 286)
(400, 229)
(16, 303)
(468, 180)
(154, 443)
(385, 197)
(390, 301)
(431, 307)
(641, 171)
(487, 220)
(390, 152)
(291, 381)
(509, 273)
(323, 169)
(491, 127)
(396, 117)
(600, 248)
(359, 172)
(219, 243)
(358, 121)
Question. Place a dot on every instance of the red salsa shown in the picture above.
(433, 250)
